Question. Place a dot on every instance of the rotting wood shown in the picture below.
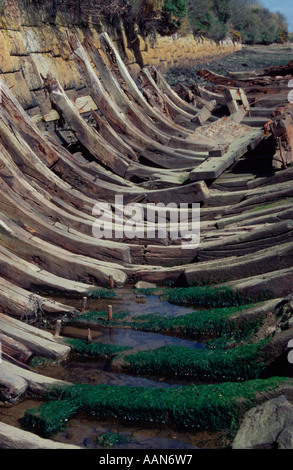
(97, 146)
(16, 381)
(15, 349)
(42, 345)
(214, 166)
(14, 438)
(281, 127)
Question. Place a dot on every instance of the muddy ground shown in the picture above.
(249, 58)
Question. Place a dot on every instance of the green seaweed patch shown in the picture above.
(48, 418)
(211, 323)
(240, 363)
(101, 294)
(204, 296)
(211, 407)
(205, 323)
(110, 439)
(38, 361)
(97, 350)
(244, 333)
(148, 290)
(95, 317)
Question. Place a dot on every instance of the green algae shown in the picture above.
(211, 407)
(97, 350)
(239, 363)
(110, 439)
(101, 294)
(204, 323)
(204, 296)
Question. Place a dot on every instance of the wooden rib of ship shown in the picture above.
(145, 142)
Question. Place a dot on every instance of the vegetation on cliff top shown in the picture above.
(245, 20)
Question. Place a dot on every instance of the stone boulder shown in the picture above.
(267, 426)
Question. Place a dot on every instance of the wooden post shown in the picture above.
(84, 302)
(89, 336)
(110, 312)
(58, 328)
(111, 282)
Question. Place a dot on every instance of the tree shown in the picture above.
(256, 23)
(209, 18)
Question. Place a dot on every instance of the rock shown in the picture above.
(267, 426)
(145, 285)
(284, 314)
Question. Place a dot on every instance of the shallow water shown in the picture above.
(83, 430)
(127, 337)
(128, 300)
(96, 373)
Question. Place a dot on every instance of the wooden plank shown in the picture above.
(255, 121)
(85, 104)
(52, 116)
(213, 167)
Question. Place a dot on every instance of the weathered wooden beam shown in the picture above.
(281, 127)
(15, 349)
(16, 381)
(130, 86)
(15, 438)
(96, 145)
(172, 95)
(30, 132)
(33, 339)
(213, 167)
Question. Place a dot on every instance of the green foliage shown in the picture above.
(256, 23)
(173, 13)
(209, 17)
(246, 19)
(211, 407)
(176, 8)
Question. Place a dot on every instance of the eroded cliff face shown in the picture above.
(33, 41)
